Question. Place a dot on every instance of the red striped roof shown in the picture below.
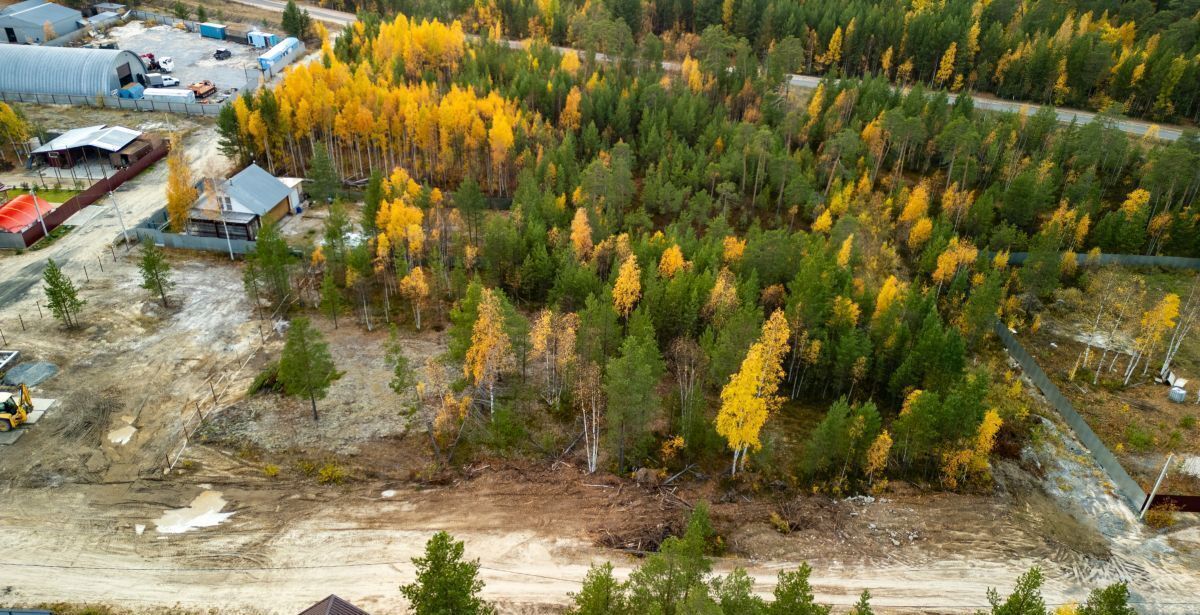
(20, 213)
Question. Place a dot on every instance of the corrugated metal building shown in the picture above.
(25, 22)
(68, 70)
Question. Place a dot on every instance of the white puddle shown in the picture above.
(390, 493)
(205, 511)
(121, 435)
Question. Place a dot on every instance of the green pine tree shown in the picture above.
(61, 295)
(323, 178)
(332, 302)
(295, 22)
(306, 367)
(371, 200)
(156, 271)
(445, 584)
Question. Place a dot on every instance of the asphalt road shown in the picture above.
(982, 101)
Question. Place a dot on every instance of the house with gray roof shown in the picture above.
(25, 22)
(238, 206)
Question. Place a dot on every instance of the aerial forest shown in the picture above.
(696, 265)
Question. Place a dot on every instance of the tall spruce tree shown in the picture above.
(61, 295)
(306, 367)
(156, 271)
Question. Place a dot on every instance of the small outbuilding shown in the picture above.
(83, 144)
(25, 22)
(73, 71)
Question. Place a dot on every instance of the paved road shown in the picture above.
(982, 101)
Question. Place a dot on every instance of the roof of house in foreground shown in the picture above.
(332, 605)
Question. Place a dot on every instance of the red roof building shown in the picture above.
(21, 213)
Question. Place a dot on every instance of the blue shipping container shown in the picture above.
(262, 40)
(212, 30)
(267, 60)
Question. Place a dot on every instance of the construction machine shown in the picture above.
(15, 407)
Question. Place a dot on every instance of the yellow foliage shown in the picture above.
(917, 206)
(723, 296)
(846, 252)
(891, 292)
(733, 248)
(570, 63)
(181, 192)
(570, 117)
(823, 223)
(946, 66)
(491, 350)
(671, 262)
(845, 312)
(750, 395)
(920, 233)
(877, 454)
(581, 235)
(1135, 201)
(628, 288)
(692, 75)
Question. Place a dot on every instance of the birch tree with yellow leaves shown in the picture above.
(491, 351)
(181, 190)
(628, 288)
(750, 395)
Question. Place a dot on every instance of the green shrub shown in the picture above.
(1188, 422)
(270, 470)
(506, 430)
(1138, 438)
(331, 474)
(266, 380)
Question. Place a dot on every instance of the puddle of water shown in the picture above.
(121, 435)
(390, 493)
(205, 511)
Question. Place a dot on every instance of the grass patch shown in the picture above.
(54, 236)
(1138, 438)
(53, 195)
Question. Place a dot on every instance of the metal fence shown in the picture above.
(169, 20)
(1129, 489)
(113, 102)
(191, 242)
(154, 228)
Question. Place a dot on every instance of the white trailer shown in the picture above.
(170, 95)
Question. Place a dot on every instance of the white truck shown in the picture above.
(159, 80)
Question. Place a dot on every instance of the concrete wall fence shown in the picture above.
(113, 102)
(154, 228)
(1126, 486)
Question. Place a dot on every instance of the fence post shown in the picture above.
(23, 322)
(39, 307)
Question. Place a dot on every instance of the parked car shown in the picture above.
(222, 54)
(169, 82)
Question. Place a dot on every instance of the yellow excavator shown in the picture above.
(15, 407)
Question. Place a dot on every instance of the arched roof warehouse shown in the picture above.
(32, 69)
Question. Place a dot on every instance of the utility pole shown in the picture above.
(33, 193)
(1157, 484)
(120, 219)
